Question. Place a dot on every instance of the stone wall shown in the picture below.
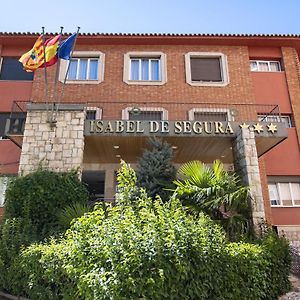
(292, 233)
(246, 164)
(59, 147)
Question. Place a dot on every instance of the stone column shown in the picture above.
(109, 190)
(246, 164)
(59, 147)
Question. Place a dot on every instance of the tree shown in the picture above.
(155, 171)
(39, 196)
(218, 193)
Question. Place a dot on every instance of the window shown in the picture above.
(145, 113)
(4, 117)
(284, 193)
(146, 68)
(12, 69)
(95, 183)
(12, 124)
(265, 66)
(3, 186)
(210, 114)
(206, 69)
(84, 67)
(93, 113)
(286, 119)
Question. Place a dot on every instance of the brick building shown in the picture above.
(231, 97)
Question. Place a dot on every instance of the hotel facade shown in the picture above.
(230, 97)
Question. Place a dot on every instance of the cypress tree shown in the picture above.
(155, 171)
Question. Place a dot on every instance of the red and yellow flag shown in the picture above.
(35, 58)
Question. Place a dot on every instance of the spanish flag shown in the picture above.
(35, 58)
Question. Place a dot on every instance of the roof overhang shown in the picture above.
(206, 141)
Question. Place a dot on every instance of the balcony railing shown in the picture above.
(15, 124)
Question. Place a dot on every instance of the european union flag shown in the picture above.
(66, 47)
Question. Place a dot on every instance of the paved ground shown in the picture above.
(291, 296)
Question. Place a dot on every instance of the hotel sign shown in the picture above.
(176, 128)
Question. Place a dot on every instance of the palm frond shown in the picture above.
(216, 192)
(70, 212)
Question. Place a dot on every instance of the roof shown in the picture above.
(158, 34)
(271, 40)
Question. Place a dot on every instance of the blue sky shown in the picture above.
(164, 16)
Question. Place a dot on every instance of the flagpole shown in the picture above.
(45, 73)
(67, 71)
(55, 93)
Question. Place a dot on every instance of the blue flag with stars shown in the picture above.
(66, 47)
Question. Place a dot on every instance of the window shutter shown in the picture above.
(206, 69)
(210, 116)
(146, 115)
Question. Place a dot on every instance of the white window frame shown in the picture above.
(6, 129)
(277, 184)
(145, 55)
(228, 112)
(223, 68)
(1, 60)
(86, 55)
(277, 118)
(98, 111)
(265, 61)
(125, 112)
(5, 180)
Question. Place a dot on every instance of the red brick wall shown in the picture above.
(175, 90)
(11, 91)
(241, 88)
(9, 157)
(292, 70)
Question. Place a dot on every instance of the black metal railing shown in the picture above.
(15, 124)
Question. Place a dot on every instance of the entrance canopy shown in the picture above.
(108, 141)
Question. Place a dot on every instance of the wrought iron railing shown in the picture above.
(15, 124)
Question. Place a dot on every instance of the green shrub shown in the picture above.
(14, 233)
(150, 250)
(39, 196)
(153, 252)
(278, 255)
(42, 274)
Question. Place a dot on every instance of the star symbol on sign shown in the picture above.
(244, 125)
(272, 128)
(258, 128)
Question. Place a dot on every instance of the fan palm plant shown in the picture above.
(216, 192)
(71, 212)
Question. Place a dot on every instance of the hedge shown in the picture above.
(39, 197)
(145, 249)
(156, 251)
